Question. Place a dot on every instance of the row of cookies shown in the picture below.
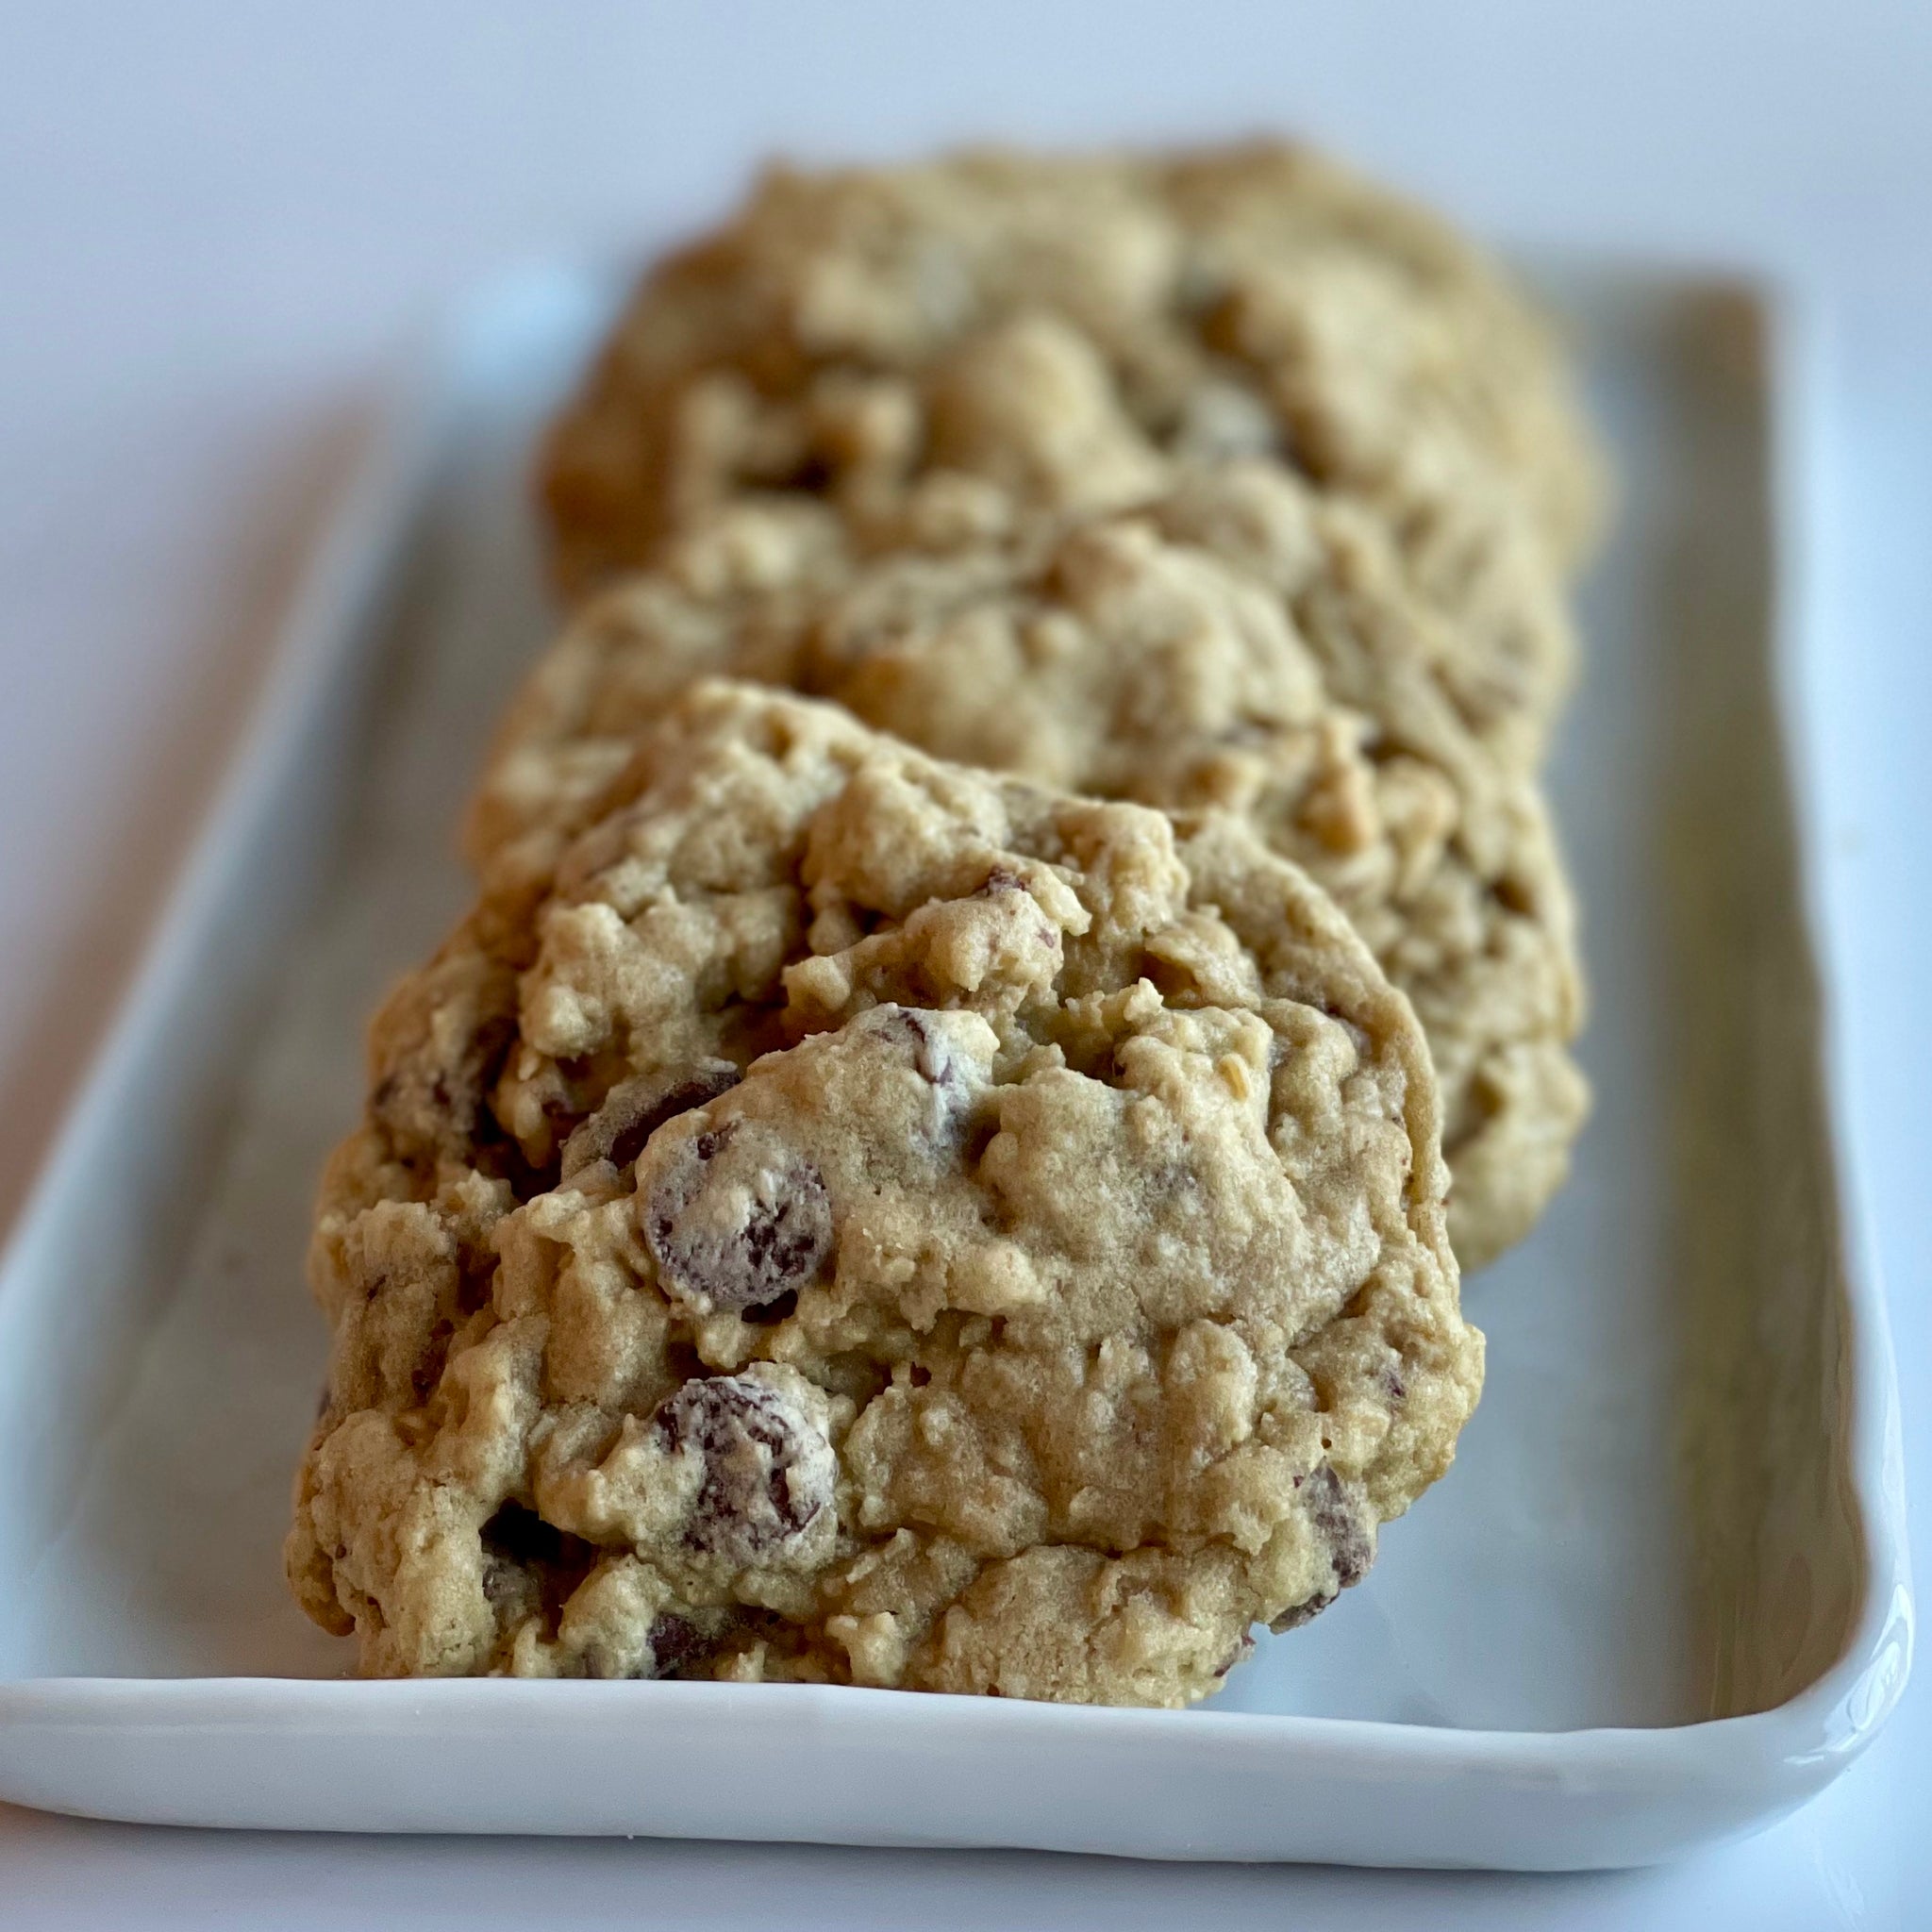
(915, 1173)
(1212, 479)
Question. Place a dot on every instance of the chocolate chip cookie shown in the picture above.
(1239, 641)
(854, 1218)
(941, 347)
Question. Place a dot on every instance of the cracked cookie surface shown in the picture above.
(941, 347)
(1238, 643)
(856, 1218)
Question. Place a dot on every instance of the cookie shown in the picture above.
(1240, 642)
(939, 346)
(859, 1218)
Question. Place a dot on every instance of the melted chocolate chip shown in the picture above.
(633, 1110)
(768, 1471)
(738, 1219)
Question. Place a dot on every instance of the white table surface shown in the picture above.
(216, 222)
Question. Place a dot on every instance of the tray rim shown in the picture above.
(1784, 1753)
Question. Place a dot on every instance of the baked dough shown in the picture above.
(856, 1218)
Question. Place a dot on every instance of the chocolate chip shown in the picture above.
(1298, 1614)
(433, 1100)
(768, 1471)
(676, 1642)
(1001, 882)
(914, 1034)
(634, 1110)
(736, 1219)
(917, 1036)
(1337, 1520)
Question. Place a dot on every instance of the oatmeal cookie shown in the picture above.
(939, 346)
(1239, 641)
(859, 1218)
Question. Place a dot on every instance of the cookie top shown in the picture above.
(865, 1220)
(1239, 641)
(937, 344)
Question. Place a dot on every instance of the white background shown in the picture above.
(218, 222)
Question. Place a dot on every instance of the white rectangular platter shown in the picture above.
(1662, 1597)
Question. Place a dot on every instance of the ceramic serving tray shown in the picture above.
(1661, 1598)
